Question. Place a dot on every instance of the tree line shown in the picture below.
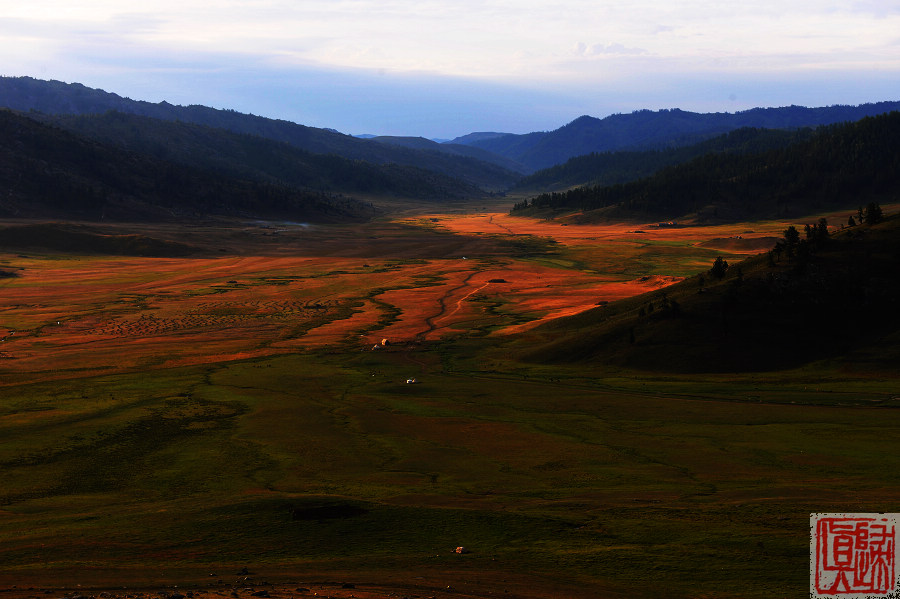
(612, 168)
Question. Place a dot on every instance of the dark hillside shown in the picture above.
(512, 146)
(56, 98)
(51, 173)
(839, 167)
(67, 237)
(260, 159)
(828, 297)
(611, 168)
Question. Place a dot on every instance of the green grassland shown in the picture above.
(620, 482)
(335, 462)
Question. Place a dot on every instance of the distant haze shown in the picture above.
(442, 69)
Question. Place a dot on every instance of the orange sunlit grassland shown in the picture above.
(67, 315)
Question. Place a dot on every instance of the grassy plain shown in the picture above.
(173, 421)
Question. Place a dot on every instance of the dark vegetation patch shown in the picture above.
(66, 237)
(529, 246)
(110, 459)
(327, 512)
(327, 528)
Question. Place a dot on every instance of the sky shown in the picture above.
(441, 69)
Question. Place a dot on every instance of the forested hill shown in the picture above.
(841, 166)
(645, 129)
(260, 159)
(611, 168)
(56, 98)
(50, 173)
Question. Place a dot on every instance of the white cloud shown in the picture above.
(615, 49)
(489, 38)
(581, 46)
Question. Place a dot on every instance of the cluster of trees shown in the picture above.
(798, 249)
(839, 162)
(668, 307)
(795, 248)
(719, 267)
(869, 215)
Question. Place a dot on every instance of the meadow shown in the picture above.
(239, 420)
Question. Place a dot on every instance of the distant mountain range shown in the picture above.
(491, 160)
(323, 166)
(645, 129)
(58, 98)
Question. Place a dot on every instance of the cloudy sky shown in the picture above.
(442, 68)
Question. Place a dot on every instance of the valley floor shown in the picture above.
(293, 407)
(268, 288)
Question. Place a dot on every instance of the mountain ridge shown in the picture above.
(623, 166)
(258, 158)
(839, 166)
(56, 98)
(507, 154)
(49, 172)
(646, 129)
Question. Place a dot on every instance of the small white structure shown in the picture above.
(411, 381)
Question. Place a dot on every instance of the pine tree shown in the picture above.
(719, 267)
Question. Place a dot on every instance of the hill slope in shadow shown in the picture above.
(839, 166)
(833, 299)
(51, 173)
(58, 98)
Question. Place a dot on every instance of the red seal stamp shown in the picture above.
(853, 556)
